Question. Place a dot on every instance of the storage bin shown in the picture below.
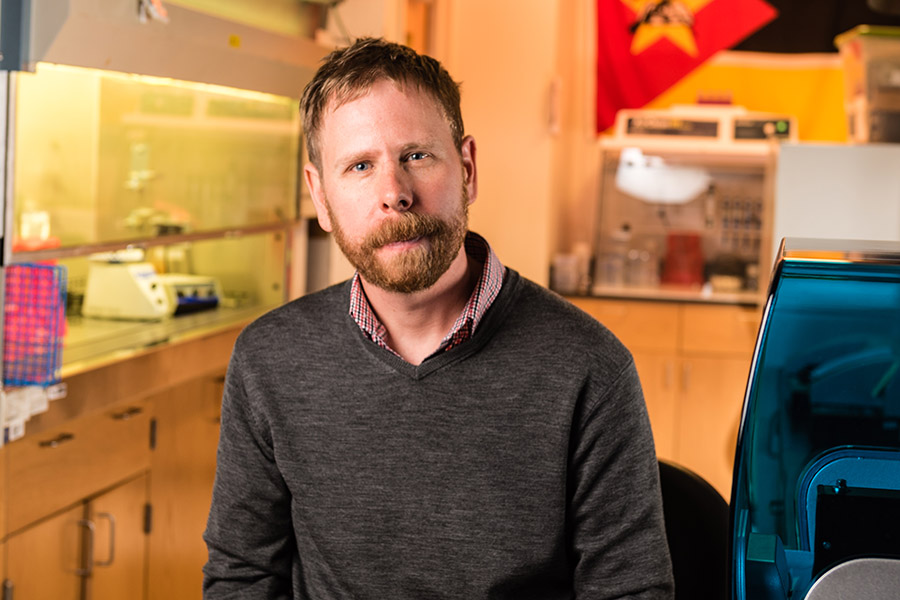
(34, 324)
(870, 57)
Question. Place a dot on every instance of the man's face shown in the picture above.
(392, 187)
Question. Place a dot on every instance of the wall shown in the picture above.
(838, 192)
(505, 57)
(576, 171)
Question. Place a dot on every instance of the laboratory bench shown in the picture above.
(106, 493)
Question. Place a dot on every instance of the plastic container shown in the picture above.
(612, 263)
(870, 56)
(34, 324)
(684, 260)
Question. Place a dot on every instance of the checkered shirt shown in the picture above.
(486, 291)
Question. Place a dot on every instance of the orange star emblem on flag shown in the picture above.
(670, 19)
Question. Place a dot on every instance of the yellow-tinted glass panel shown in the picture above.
(104, 157)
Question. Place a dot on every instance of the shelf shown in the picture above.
(678, 294)
(150, 242)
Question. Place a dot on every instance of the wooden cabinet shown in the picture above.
(183, 467)
(94, 550)
(709, 412)
(693, 360)
(3, 494)
(119, 519)
(716, 348)
(657, 372)
(45, 560)
(69, 463)
(93, 485)
(3, 580)
(131, 439)
(76, 509)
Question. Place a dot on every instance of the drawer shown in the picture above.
(712, 329)
(640, 325)
(56, 468)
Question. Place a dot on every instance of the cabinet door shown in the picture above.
(709, 417)
(657, 373)
(45, 560)
(639, 325)
(4, 494)
(183, 467)
(120, 543)
(716, 330)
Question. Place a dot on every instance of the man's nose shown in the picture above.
(396, 189)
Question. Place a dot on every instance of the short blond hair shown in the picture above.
(348, 73)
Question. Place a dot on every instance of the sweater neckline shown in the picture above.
(491, 320)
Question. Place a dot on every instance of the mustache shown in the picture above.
(407, 227)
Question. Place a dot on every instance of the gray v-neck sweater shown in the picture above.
(517, 465)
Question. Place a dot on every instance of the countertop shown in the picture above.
(90, 342)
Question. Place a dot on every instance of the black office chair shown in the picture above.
(697, 524)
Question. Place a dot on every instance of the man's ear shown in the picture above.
(470, 170)
(317, 191)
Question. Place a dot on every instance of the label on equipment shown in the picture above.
(670, 126)
(761, 129)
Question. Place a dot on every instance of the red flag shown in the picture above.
(646, 46)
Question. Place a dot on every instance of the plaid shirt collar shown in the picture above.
(486, 291)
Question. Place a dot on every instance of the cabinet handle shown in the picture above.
(686, 380)
(88, 570)
(112, 540)
(55, 442)
(127, 413)
(667, 375)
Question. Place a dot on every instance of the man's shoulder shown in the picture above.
(302, 316)
(542, 315)
(560, 337)
(536, 300)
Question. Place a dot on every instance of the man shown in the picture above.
(438, 426)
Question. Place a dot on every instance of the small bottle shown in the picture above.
(583, 259)
(614, 260)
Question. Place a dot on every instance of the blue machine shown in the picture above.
(816, 495)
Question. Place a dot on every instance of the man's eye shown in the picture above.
(359, 167)
(417, 156)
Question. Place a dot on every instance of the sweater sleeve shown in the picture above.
(249, 534)
(618, 532)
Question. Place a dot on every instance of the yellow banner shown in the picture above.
(807, 86)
